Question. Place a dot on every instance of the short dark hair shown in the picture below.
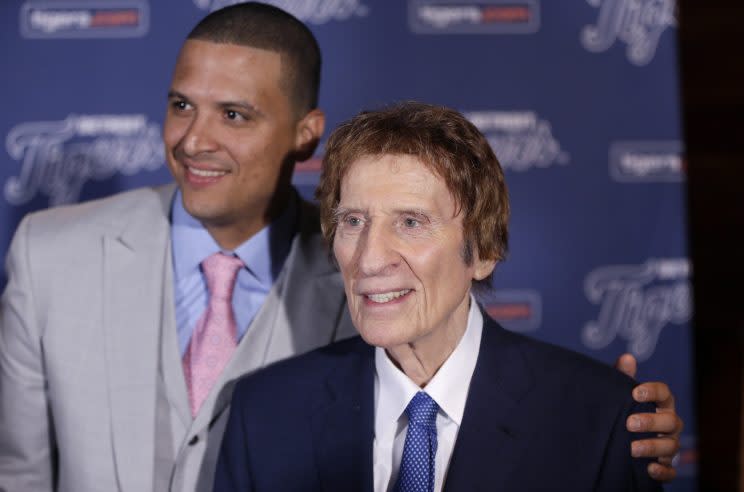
(449, 145)
(263, 26)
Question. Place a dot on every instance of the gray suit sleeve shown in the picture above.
(26, 438)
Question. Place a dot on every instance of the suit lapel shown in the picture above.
(342, 424)
(313, 310)
(493, 433)
(170, 355)
(135, 259)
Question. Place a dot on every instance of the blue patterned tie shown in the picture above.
(416, 472)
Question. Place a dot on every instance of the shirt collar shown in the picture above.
(192, 244)
(449, 386)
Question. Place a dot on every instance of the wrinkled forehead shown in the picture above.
(395, 182)
(369, 170)
(394, 162)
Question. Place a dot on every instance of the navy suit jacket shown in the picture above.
(537, 417)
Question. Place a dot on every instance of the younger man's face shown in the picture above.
(229, 133)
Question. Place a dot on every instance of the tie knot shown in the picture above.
(422, 410)
(221, 271)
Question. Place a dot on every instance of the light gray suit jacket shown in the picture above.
(92, 394)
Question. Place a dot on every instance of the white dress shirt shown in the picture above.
(449, 388)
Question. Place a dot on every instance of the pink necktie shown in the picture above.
(214, 338)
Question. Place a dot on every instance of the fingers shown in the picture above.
(656, 392)
(662, 473)
(664, 422)
(663, 448)
(627, 364)
(666, 460)
(660, 423)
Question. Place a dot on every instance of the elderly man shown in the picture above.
(434, 395)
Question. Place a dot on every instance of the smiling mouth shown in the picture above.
(205, 173)
(387, 296)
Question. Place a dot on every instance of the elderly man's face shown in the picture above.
(399, 245)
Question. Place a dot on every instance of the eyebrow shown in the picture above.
(419, 212)
(413, 211)
(175, 94)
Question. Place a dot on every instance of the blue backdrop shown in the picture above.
(579, 99)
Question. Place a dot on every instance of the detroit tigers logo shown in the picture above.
(58, 157)
(637, 23)
(636, 302)
(521, 139)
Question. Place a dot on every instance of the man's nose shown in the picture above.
(199, 137)
(377, 254)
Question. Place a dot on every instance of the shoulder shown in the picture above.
(573, 372)
(110, 212)
(52, 240)
(583, 394)
(573, 407)
(104, 211)
(299, 374)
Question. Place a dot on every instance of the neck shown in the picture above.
(231, 235)
(421, 359)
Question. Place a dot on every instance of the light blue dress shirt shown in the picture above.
(263, 254)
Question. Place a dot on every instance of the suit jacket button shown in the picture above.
(193, 440)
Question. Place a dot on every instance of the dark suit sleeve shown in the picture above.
(233, 470)
(620, 471)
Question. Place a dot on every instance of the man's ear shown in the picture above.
(483, 268)
(309, 130)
